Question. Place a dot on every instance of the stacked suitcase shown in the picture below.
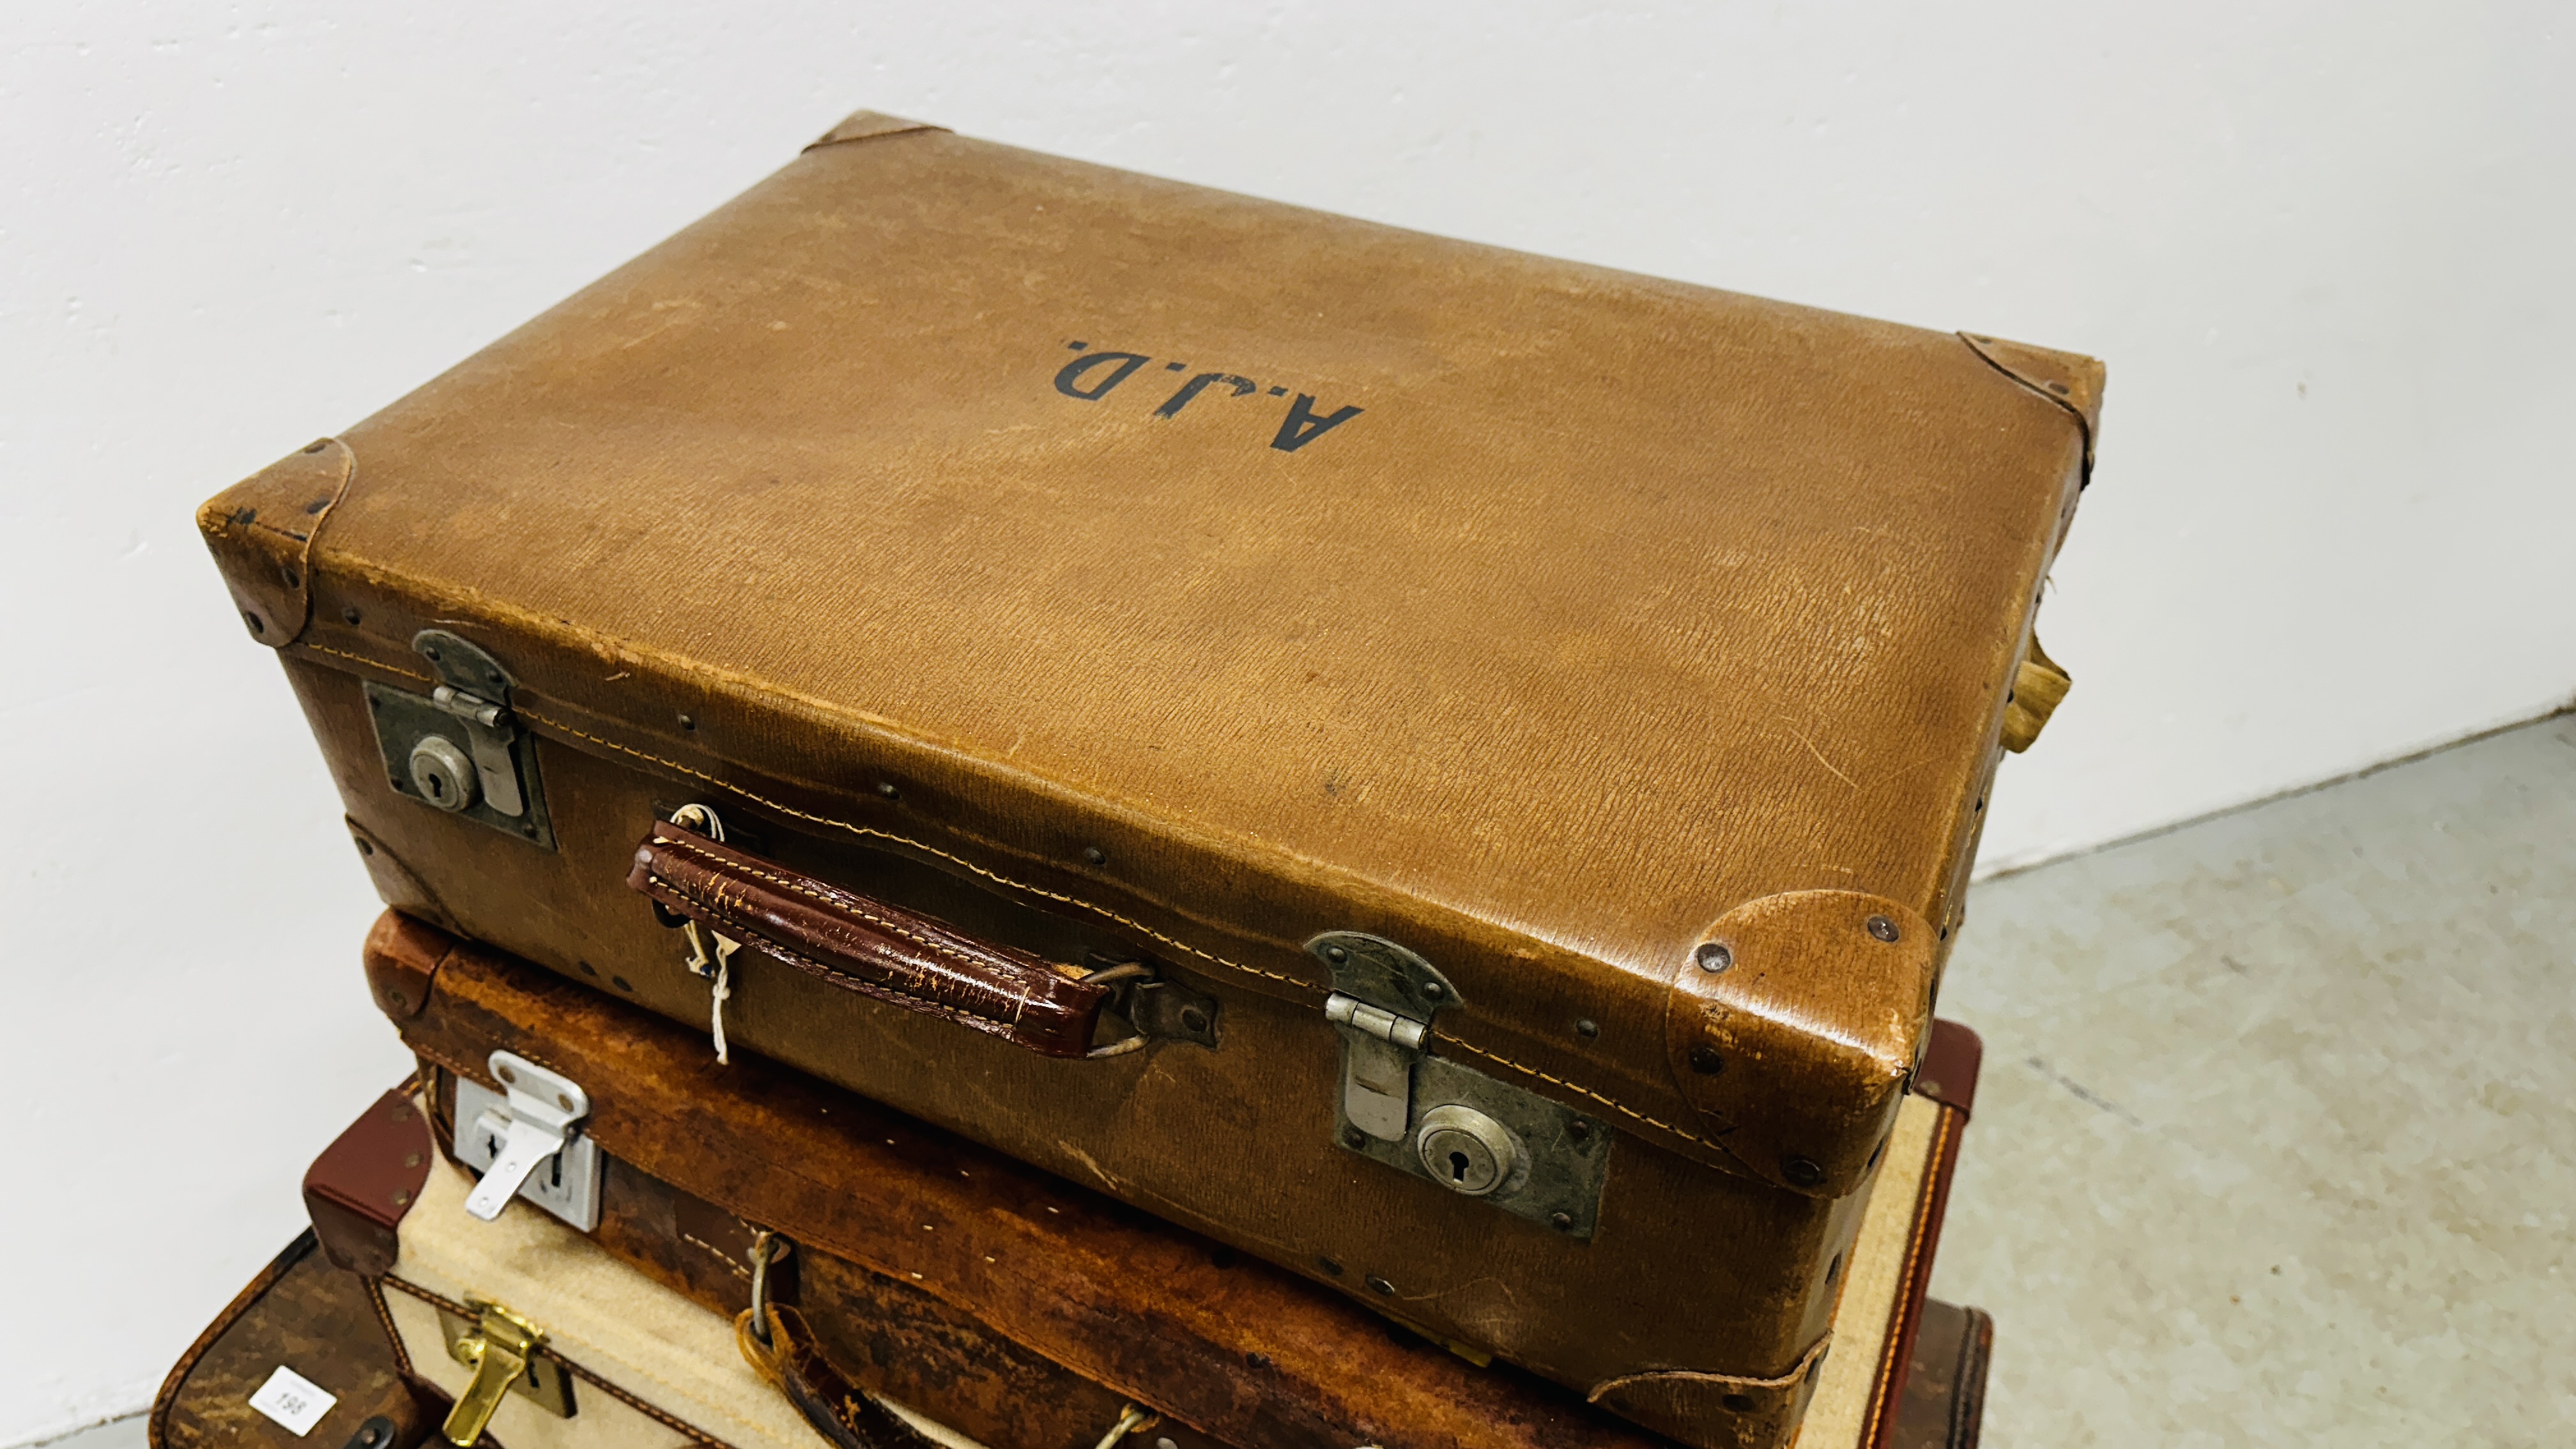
(1031, 804)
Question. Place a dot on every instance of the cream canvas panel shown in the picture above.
(599, 1314)
(1847, 1385)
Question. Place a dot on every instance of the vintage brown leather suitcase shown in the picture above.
(1380, 750)
(303, 1312)
(894, 1222)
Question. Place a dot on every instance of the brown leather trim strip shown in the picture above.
(1916, 1279)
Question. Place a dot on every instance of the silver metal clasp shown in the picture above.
(458, 748)
(1430, 1117)
(528, 1142)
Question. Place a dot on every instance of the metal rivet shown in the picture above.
(402, 1195)
(350, 615)
(1801, 1172)
(688, 721)
(1095, 855)
(888, 791)
(1740, 1403)
(430, 654)
(1586, 1026)
(1714, 956)
(1883, 928)
(586, 968)
(1331, 1268)
(1705, 1060)
(621, 983)
(1194, 1019)
(1382, 1286)
(563, 1100)
(1926, 1087)
(1336, 954)
(2057, 387)
(252, 620)
(287, 575)
(508, 1075)
(398, 999)
(402, 1114)
(1580, 1129)
(365, 848)
(317, 445)
(1433, 991)
(529, 831)
(1165, 1443)
(411, 1159)
(1354, 1139)
(1562, 1222)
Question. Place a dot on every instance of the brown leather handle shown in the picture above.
(868, 946)
(847, 1416)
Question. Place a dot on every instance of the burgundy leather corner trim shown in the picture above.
(868, 946)
(359, 1188)
(1950, 1065)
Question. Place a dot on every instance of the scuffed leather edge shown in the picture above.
(156, 1428)
(262, 532)
(2070, 380)
(869, 126)
(1672, 1385)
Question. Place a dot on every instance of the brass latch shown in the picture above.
(501, 1347)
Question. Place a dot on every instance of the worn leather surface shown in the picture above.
(303, 1313)
(1528, 613)
(840, 1410)
(357, 1191)
(867, 945)
(1156, 1315)
(1805, 1106)
(1944, 1405)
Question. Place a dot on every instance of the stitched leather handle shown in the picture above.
(867, 946)
(847, 1416)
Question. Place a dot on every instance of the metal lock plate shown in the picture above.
(526, 1142)
(457, 749)
(1434, 1119)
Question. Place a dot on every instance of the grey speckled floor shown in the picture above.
(2275, 1142)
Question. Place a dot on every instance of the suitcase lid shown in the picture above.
(1235, 574)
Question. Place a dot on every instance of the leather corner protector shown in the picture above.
(1951, 1062)
(2069, 379)
(359, 1188)
(261, 532)
(402, 960)
(1797, 1023)
(397, 884)
(868, 126)
(1708, 1408)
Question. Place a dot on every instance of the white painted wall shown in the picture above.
(2323, 245)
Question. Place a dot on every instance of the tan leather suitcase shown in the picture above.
(893, 1237)
(1390, 753)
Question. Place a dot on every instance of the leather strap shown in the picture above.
(842, 1412)
(868, 946)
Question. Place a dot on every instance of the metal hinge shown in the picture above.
(502, 1349)
(491, 778)
(1435, 1119)
(528, 1142)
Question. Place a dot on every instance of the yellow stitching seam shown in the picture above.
(370, 663)
(1595, 1096)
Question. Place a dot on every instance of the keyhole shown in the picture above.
(1457, 1167)
(437, 788)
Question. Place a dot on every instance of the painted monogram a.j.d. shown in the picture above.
(1094, 375)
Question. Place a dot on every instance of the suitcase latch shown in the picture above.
(501, 1347)
(458, 748)
(528, 1142)
(1430, 1117)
